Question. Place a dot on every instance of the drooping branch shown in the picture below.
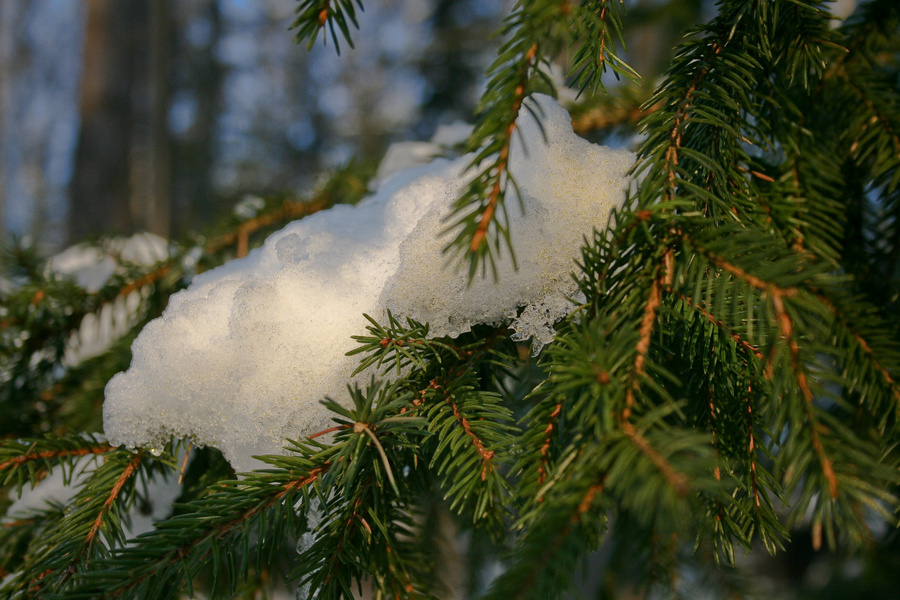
(678, 480)
(126, 474)
(643, 346)
(786, 327)
(750, 348)
(216, 528)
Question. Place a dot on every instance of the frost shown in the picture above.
(241, 359)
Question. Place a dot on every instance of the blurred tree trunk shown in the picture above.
(157, 214)
(113, 107)
(40, 70)
(197, 81)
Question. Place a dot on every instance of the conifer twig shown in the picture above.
(750, 348)
(643, 346)
(786, 327)
(545, 446)
(676, 479)
(61, 453)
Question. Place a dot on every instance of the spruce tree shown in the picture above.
(727, 385)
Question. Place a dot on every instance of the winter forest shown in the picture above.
(449, 299)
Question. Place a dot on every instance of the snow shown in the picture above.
(241, 359)
(91, 267)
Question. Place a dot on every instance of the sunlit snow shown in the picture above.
(241, 359)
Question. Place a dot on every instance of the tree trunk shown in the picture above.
(115, 67)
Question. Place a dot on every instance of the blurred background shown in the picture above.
(126, 115)
(119, 116)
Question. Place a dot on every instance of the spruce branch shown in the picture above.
(213, 527)
(289, 211)
(750, 348)
(535, 32)
(648, 321)
(598, 26)
(314, 15)
(397, 347)
(469, 426)
(31, 459)
(87, 532)
(471, 439)
(367, 525)
(817, 431)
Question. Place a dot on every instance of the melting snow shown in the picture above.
(241, 359)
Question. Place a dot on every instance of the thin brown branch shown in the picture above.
(485, 454)
(290, 210)
(893, 385)
(500, 166)
(113, 495)
(326, 431)
(48, 454)
(681, 115)
(151, 277)
(587, 500)
(643, 345)
(607, 117)
(877, 115)
(220, 531)
(786, 327)
(551, 547)
(545, 447)
(673, 477)
(738, 272)
(895, 389)
(750, 348)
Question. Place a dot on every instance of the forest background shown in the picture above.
(119, 116)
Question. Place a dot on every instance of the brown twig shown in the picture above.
(500, 166)
(113, 494)
(786, 328)
(222, 530)
(151, 277)
(19, 460)
(718, 323)
(326, 431)
(290, 210)
(545, 447)
(606, 117)
(643, 345)
(485, 454)
(676, 479)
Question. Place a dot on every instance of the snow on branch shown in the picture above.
(242, 359)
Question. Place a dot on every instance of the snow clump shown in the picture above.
(241, 359)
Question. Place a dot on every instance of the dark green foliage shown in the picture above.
(729, 380)
(315, 15)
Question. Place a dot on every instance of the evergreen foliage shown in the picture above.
(729, 383)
